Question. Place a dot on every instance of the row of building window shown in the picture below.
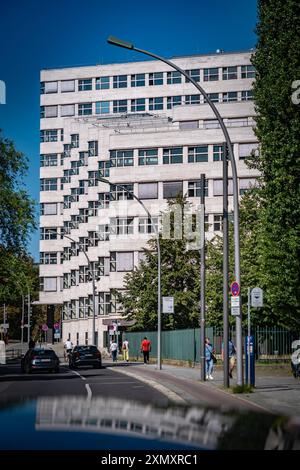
(141, 104)
(152, 79)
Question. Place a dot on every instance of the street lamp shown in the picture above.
(127, 45)
(93, 281)
(104, 180)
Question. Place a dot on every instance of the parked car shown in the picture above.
(40, 359)
(83, 355)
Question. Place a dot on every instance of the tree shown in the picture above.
(277, 62)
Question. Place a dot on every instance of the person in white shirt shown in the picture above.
(68, 345)
(114, 350)
(125, 350)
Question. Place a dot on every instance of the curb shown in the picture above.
(172, 396)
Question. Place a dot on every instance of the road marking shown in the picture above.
(89, 391)
(77, 373)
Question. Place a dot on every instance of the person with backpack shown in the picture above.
(231, 355)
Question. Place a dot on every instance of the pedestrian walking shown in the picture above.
(146, 349)
(125, 350)
(209, 359)
(231, 356)
(114, 350)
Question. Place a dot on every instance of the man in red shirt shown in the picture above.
(145, 349)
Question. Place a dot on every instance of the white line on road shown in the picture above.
(89, 391)
(77, 373)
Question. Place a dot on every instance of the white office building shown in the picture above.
(138, 124)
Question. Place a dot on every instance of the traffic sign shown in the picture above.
(235, 289)
(56, 326)
(235, 305)
(168, 304)
(45, 327)
(256, 297)
(4, 325)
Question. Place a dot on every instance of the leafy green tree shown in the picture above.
(277, 62)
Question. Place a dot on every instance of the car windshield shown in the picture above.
(90, 349)
(43, 352)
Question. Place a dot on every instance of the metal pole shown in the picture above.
(94, 303)
(28, 310)
(225, 270)
(202, 277)
(22, 321)
(248, 341)
(239, 350)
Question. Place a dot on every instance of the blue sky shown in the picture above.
(44, 34)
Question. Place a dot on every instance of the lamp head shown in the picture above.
(119, 42)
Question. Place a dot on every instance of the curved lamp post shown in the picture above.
(104, 180)
(127, 45)
(93, 281)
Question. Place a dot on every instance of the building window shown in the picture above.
(48, 257)
(102, 83)
(218, 222)
(85, 109)
(229, 96)
(218, 153)
(156, 104)
(148, 157)
(49, 135)
(172, 189)
(67, 86)
(74, 140)
(67, 110)
(194, 74)
(194, 188)
(93, 148)
(148, 190)
(104, 303)
(156, 78)
(120, 81)
(121, 192)
(138, 105)
(211, 74)
(188, 125)
(138, 80)
(121, 158)
(121, 261)
(49, 208)
(211, 124)
(93, 177)
(48, 111)
(49, 159)
(247, 95)
(198, 154)
(102, 107)
(49, 284)
(103, 232)
(218, 187)
(103, 200)
(173, 155)
(120, 106)
(173, 77)
(85, 84)
(173, 101)
(192, 99)
(246, 150)
(85, 275)
(230, 73)
(85, 309)
(247, 71)
(146, 225)
(103, 266)
(214, 97)
(121, 225)
(48, 233)
(246, 184)
(104, 166)
(48, 184)
(48, 87)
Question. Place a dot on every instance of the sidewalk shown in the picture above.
(276, 390)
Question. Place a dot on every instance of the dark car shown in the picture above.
(40, 359)
(85, 356)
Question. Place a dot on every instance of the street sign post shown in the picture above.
(168, 304)
(256, 297)
(235, 305)
(45, 327)
(235, 289)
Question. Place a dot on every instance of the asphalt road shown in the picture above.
(85, 382)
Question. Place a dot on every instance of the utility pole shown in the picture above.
(225, 269)
(28, 315)
(202, 277)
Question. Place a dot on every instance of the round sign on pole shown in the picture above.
(45, 327)
(235, 289)
(56, 326)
